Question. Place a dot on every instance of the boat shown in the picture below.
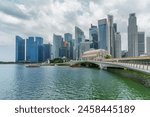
(33, 65)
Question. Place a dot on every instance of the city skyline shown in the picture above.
(60, 16)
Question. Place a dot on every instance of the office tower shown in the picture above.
(68, 39)
(132, 36)
(102, 35)
(34, 49)
(148, 45)
(79, 37)
(46, 51)
(93, 36)
(84, 46)
(20, 49)
(141, 43)
(110, 35)
(29, 44)
(57, 43)
(39, 42)
(117, 48)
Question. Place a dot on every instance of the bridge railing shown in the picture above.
(139, 65)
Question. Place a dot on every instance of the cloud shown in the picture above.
(45, 17)
(13, 10)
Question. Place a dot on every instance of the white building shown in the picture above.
(97, 55)
(148, 45)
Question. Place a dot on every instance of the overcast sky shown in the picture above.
(45, 17)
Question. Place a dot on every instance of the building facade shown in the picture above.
(20, 49)
(148, 45)
(102, 35)
(141, 43)
(93, 36)
(111, 40)
(79, 37)
(29, 45)
(117, 52)
(132, 36)
(68, 39)
(57, 44)
(84, 46)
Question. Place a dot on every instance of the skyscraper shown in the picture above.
(29, 44)
(102, 35)
(141, 43)
(117, 52)
(93, 36)
(110, 35)
(69, 41)
(79, 37)
(57, 44)
(132, 36)
(148, 45)
(20, 49)
(34, 49)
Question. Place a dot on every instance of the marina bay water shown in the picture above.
(63, 82)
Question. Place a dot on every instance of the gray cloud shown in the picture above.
(45, 17)
(11, 9)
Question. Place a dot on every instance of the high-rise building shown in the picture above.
(20, 49)
(34, 50)
(117, 52)
(79, 37)
(69, 41)
(29, 44)
(132, 36)
(84, 46)
(148, 45)
(102, 35)
(141, 43)
(47, 51)
(57, 44)
(93, 36)
(111, 40)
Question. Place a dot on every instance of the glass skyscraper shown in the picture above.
(102, 34)
(33, 49)
(20, 49)
(69, 41)
(93, 36)
(29, 44)
(79, 37)
(141, 43)
(132, 36)
(57, 44)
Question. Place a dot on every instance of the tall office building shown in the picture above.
(148, 45)
(84, 46)
(79, 37)
(34, 49)
(29, 44)
(57, 43)
(46, 51)
(117, 48)
(20, 49)
(141, 43)
(93, 36)
(68, 39)
(110, 35)
(103, 42)
(132, 36)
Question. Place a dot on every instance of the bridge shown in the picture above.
(140, 64)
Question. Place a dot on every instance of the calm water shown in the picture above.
(55, 82)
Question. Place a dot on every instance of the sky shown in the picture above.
(46, 17)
